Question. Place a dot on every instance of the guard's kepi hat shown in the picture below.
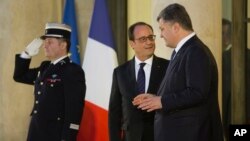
(57, 30)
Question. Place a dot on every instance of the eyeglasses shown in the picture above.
(144, 39)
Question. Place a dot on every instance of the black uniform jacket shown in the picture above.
(123, 116)
(59, 98)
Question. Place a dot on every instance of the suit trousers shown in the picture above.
(148, 131)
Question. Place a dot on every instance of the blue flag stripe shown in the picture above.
(100, 29)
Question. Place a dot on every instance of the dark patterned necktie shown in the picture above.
(141, 79)
(173, 54)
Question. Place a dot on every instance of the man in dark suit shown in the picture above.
(126, 122)
(226, 75)
(187, 101)
(59, 86)
(248, 87)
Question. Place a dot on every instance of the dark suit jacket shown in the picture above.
(189, 94)
(59, 98)
(123, 116)
(248, 86)
(226, 90)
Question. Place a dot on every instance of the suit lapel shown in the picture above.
(155, 70)
(180, 53)
(131, 76)
(175, 61)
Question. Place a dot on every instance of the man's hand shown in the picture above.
(33, 48)
(148, 102)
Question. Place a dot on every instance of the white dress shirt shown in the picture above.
(146, 68)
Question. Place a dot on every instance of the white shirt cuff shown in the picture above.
(74, 126)
(25, 55)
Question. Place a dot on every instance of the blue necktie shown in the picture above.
(141, 79)
(173, 54)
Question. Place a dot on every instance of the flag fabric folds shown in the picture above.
(99, 61)
(69, 18)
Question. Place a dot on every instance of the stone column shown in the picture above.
(238, 97)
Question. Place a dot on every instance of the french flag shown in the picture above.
(99, 61)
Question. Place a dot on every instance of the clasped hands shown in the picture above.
(148, 102)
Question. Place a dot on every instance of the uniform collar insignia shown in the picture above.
(54, 75)
(62, 62)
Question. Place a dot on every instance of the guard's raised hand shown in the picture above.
(33, 48)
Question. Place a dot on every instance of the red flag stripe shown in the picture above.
(94, 122)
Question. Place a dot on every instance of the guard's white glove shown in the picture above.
(33, 48)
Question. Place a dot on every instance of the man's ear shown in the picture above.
(131, 44)
(176, 27)
(64, 45)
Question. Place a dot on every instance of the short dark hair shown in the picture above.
(67, 41)
(176, 13)
(131, 29)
